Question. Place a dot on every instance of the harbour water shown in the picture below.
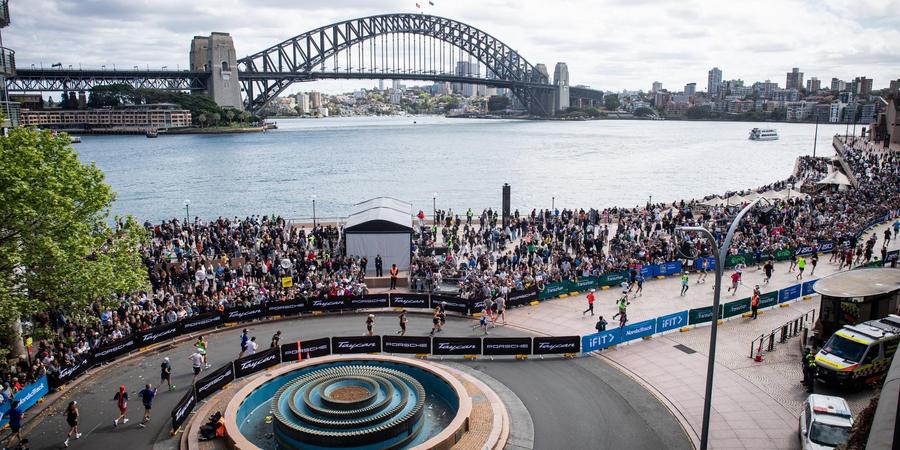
(464, 161)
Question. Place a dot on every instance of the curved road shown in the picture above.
(589, 403)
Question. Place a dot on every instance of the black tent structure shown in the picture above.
(380, 226)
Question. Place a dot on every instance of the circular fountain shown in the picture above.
(348, 402)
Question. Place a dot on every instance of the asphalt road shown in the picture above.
(591, 404)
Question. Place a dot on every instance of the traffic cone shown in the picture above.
(759, 356)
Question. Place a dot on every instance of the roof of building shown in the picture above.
(380, 215)
(859, 283)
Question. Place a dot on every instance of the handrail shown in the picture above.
(790, 329)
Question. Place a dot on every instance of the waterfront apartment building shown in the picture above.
(861, 86)
(794, 79)
(837, 109)
(315, 100)
(162, 115)
(714, 81)
(466, 69)
(838, 85)
(801, 110)
(303, 103)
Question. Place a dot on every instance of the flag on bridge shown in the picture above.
(430, 2)
(418, 6)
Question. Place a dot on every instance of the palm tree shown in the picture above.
(215, 118)
(202, 120)
(229, 114)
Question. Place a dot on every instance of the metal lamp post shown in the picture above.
(434, 207)
(553, 204)
(187, 211)
(314, 209)
(721, 254)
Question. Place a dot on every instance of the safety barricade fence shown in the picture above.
(766, 341)
(27, 397)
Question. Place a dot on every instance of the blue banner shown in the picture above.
(27, 397)
(638, 330)
(650, 271)
(670, 268)
(789, 293)
(807, 288)
(824, 247)
(601, 340)
(671, 321)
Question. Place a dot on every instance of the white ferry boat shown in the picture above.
(763, 134)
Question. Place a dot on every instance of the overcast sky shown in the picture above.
(608, 44)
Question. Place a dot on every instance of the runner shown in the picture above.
(202, 347)
(640, 286)
(165, 373)
(443, 316)
(622, 305)
(252, 346)
(685, 283)
(704, 266)
(403, 320)
(601, 324)
(435, 321)
(814, 260)
(146, 396)
(625, 288)
(370, 324)
(72, 420)
(501, 308)
(15, 424)
(121, 399)
(793, 261)
(196, 363)
(590, 300)
(768, 268)
(276, 339)
(483, 321)
(801, 265)
(735, 280)
(245, 339)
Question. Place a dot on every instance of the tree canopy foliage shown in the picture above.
(57, 251)
(199, 105)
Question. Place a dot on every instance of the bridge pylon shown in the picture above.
(215, 54)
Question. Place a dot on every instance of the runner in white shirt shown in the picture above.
(251, 346)
(197, 363)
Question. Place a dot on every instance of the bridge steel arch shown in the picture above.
(267, 73)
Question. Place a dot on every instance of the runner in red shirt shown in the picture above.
(590, 299)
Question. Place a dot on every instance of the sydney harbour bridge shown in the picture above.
(388, 47)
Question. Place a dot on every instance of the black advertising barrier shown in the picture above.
(355, 344)
(521, 298)
(556, 345)
(288, 308)
(67, 374)
(243, 314)
(406, 344)
(311, 349)
(256, 362)
(410, 301)
(457, 304)
(120, 347)
(183, 409)
(201, 322)
(506, 346)
(367, 301)
(326, 304)
(456, 346)
(211, 383)
(158, 334)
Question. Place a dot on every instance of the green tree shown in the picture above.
(229, 114)
(611, 102)
(201, 119)
(699, 112)
(643, 111)
(57, 251)
(215, 118)
(110, 95)
(498, 103)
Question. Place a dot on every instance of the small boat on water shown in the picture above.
(763, 134)
(74, 139)
(152, 133)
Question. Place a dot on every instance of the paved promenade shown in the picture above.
(755, 405)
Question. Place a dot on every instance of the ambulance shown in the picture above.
(859, 354)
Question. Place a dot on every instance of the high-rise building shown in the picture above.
(690, 89)
(303, 102)
(794, 79)
(396, 85)
(466, 69)
(895, 87)
(861, 86)
(657, 86)
(838, 85)
(380, 85)
(713, 81)
(813, 85)
(315, 100)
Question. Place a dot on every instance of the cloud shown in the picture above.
(610, 44)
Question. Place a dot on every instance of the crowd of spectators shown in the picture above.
(199, 267)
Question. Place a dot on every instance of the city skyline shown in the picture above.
(675, 46)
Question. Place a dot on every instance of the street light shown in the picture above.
(434, 207)
(721, 254)
(314, 209)
(552, 204)
(187, 211)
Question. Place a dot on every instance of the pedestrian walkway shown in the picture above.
(755, 404)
